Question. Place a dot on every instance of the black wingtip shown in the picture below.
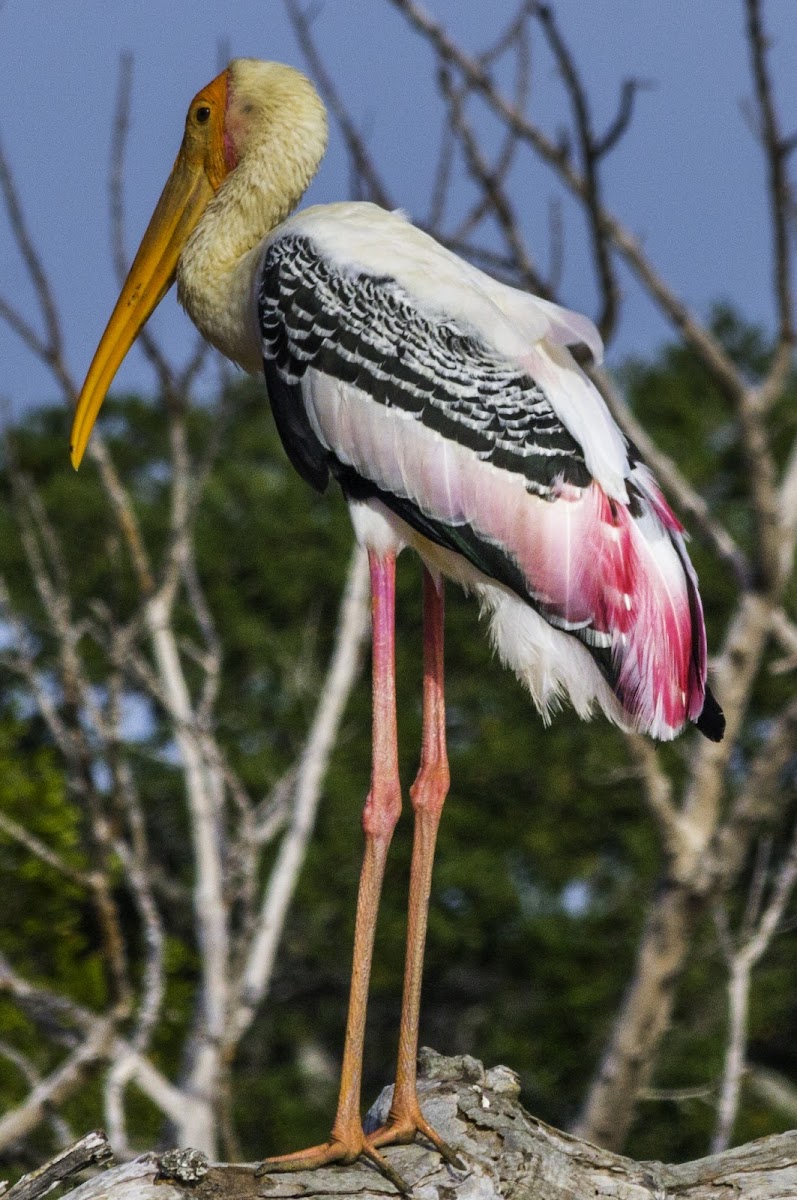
(711, 721)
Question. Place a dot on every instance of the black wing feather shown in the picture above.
(365, 330)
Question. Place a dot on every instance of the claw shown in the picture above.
(333, 1151)
(400, 1131)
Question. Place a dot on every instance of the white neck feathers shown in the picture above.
(278, 128)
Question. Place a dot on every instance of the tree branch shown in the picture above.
(706, 346)
(57, 1087)
(358, 152)
(591, 153)
(777, 150)
(343, 667)
(505, 1151)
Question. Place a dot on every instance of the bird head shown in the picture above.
(250, 107)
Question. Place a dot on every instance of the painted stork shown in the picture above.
(451, 412)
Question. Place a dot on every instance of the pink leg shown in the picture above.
(382, 807)
(428, 795)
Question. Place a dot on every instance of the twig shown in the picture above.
(45, 854)
(442, 182)
(116, 206)
(492, 179)
(57, 1087)
(745, 956)
(777, 150)
(343, 667)
(758, 800)
(774, 1089)
(93, 1150)
(658, 792)
(682, 1095)
(30, 257)
(61, 1017)
(376, 189)
(622, 121)
(78, 704)
(556, 242)
(61, 1130)
(494, 194)
(514, 32)
(591, 153)
(706, 346)
(119, 134)
(785, 631)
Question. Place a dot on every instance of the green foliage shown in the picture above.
(546, 858)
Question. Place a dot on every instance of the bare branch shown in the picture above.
(122, 507)
(25, 332)
(658, 792)
(627, 1061)
(773, 1089)
(493, 192)
(759, 799)
(119, 135)
(785, 631)
(57, 1087)
(342, 670)
(514, 33)
(622, 121)
(61, 1017)
(91, 1151)
(706, 346)
(358, 151)
(138, 876)
(12, 829)
(116, 206)
(590, 156)
(753, 946)
(776, 149)
(31, 259)
(556, 242)
(61, 1130)
(442, 182)
(492, 180)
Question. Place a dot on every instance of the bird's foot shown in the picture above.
(342, 1150)
(401, 1128)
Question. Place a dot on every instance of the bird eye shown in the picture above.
(202, 114)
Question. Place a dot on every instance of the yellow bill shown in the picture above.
(196, 176)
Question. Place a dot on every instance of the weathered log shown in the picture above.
(506, 1153)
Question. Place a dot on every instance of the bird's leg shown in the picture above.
(428, 794)
(347, 1141)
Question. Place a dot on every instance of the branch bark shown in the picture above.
(506, 1152)
(91, 1151)
(57, 1087)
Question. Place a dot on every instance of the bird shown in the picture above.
(451, 410)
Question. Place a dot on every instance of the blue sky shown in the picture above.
(687, 179)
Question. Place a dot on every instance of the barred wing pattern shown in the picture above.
(464, 446)
(364, 330)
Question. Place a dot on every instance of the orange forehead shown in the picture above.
(216, 152)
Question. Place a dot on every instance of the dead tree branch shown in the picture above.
(759, 928)
(505, 1152)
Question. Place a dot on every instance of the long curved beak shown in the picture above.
(182, 203)
(193, 182)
